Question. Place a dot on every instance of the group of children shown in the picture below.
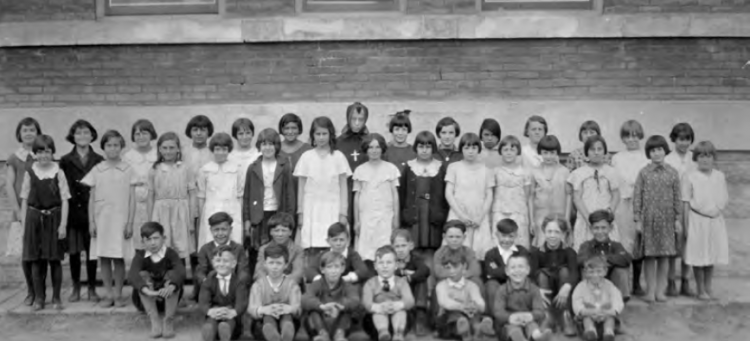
(489, 237)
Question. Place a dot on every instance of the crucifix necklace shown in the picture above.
(355, 155)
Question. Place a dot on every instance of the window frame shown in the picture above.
(344, 6)
(488, 6)
(103, 9)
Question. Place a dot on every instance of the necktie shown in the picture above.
(386, 285)
(224, 286)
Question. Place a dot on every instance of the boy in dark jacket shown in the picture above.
(221, 229)
(355, 269)
(496, 259)
(223, 297)
(415, 271)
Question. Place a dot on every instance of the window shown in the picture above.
(140, 7)
(494, 5)
(350, 5)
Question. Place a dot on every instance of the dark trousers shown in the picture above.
(39, 277)
(446, 324)
(553, 280)
(317, 322)
(490, 289)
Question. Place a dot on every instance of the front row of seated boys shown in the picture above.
(517, 294)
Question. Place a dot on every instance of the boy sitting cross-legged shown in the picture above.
(157, 274)
(275, 298)
(281, 226)
(355, 269)
(460, 301)
(330, 301)
(223, 297)
(519, 309)
(412, 268)
(387, 298)
(221, 229)
(597, 301)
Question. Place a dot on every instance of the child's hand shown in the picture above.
(376, 308)
(317, 277)
(285, 309)
(409, 272)
(343, 219)
(61, 232)
(149, 292)
(515, 319)
(229, 313)
(167, 291)
(545, 299)
(562, 296)
(128, 230)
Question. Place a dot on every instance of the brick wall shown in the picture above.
(648, 69)
(39, 10)
(701, 6)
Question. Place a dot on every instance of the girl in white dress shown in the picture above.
(219, 189)
(704, 192)
(550, 193)
(469, 185)
(243, 131)
(512, 191)
(536, 128)
(323, 190)
(141, 159)
(376, 199)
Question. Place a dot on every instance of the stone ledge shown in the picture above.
(214, 30)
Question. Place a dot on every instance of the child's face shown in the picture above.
(374, 152)
(112, 148)
(268, 149)
(536, 132)
(322, 137)
(509, 152)
(470, 153)
(448, 135)
(82, 137)
(199, 134)
(400, 134)
(596, 153)
(600, 230)
(224, 263)
(386, 265)
(424, 152)
(506, 240)
(332, 271)
(275, 266)
(682, 144)
(168, 150)
(338, 243)
(550, 157)
(552, 234)
(290, 132)
(403, 247)
(281, 234)
(586, 133)
(154, 242)
(517, 269)
(28, 134)
(489, 139)
(245, 138)
(357, 121)
(221, 232)
(44, 157)
(454, 238)
(142, 138)
(632, 142)
(220, 154)
(595, 275)
(705, 162)
(455, 272)
(657, 155)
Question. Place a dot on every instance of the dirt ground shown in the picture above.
(646, 323)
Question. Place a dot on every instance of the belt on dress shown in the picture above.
(45, 211)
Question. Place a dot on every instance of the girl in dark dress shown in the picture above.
(350, 144)
(44, 195)
(76, 165)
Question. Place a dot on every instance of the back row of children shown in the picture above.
(482, 182)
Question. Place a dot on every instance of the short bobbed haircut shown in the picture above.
(588, 125)
(365, 146)
(400, 119)
(111, 134)
(43, 142)
(491, 125)
(336, 229)
(221, 140)
(512, 141)
(470, 140)
(591, 141)
(199, 121)
(269, 135)
(331, 257)
(556, 218)
(683, 131)
(549, 143)
(325, 123)
(538, 119)
(506, 226)
(656, 141)
(632, 128)
(220, 217)
(276, 251)
(447, 121)
(454, 224)
(242, 123)
(290, 118)
(81, 124)
(600, 215)
(704, 148)
(454, 258)
(425, 138)
(151, 227)
(27, 122)
(143, 125)
(281, 219)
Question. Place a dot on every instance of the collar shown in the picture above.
(228, 166)
(544, 247)
(391, 281)
(517, 171)
(228, 277)
(451, 149)
(135, 156)
(49, 173)
(105, 165)
(457, 285)
(328, 285)
(166, 167)
(526, 286)
(229, 243)
(512, 249)
(606, 243)
(23, 154)
(161, 253)
(346, 253)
